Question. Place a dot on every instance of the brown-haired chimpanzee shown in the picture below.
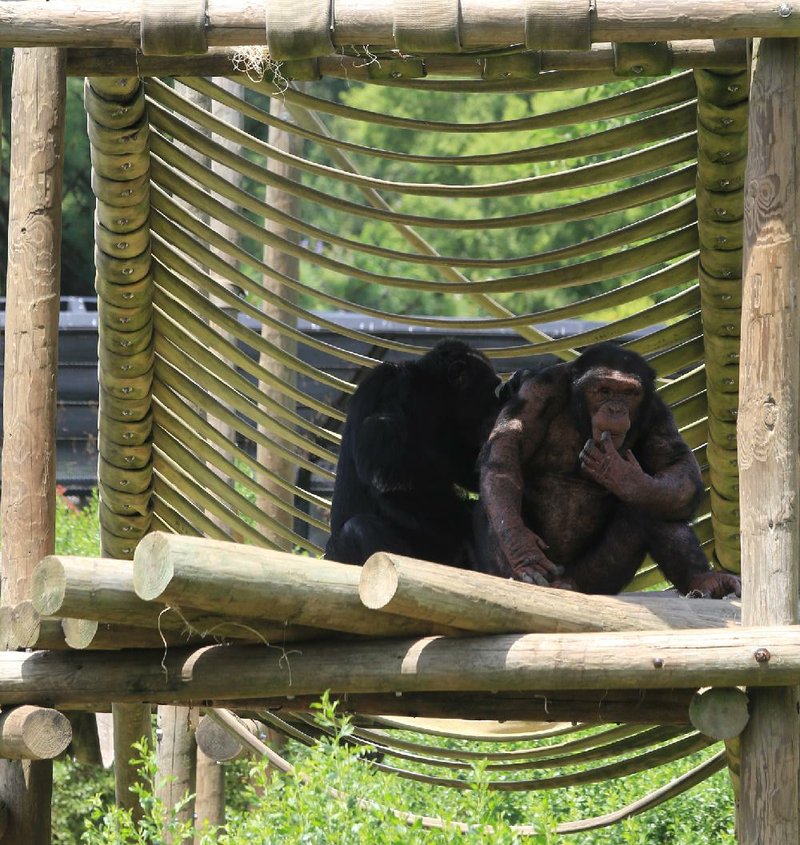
(409, 453)
(584, 474)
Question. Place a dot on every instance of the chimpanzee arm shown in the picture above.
(394, 456)
(392, 431)
(519, 431)
(380, 449)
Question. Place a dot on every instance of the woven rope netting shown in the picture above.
(261, 245)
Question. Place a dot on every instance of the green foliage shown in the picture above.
(108, 824)
(478, 242)
(75, 786)
(77, 529)
(336, 796)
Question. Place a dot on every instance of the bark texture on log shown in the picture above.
(768, 438)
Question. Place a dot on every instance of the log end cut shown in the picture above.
(152, 566)
(33, 733)
(379, 581)
(48, 585)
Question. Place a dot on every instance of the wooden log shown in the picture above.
(7, 640)
(767, 427)
(38, 113)
(209, 801)
(487, 604)
(249, 582)
(102, 636)
(527, 662)
(483, 23)
(220, 745)
(75, 586)
(30, 630)
(649, 707)
(132, 723)
(278, 465)
(102, 590)
(721, 713)
(33, 733)
(176, 754)
(720, 54)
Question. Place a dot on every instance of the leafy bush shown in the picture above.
(335, 796)
(77, 529)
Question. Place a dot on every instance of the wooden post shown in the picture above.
(31, 357)
(132, 723)
(275, 465)
(176, 755)
(768, 435)
(209, 803)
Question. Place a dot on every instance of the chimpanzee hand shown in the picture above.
(714, 585)
(604, 464)
(525, 551)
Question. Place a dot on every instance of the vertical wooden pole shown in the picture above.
(176, 757)
(38, 105)
(132, 723)
(289, 266)
(209, 805)
(768, 434)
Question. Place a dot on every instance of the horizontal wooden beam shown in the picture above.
(219, 61)
(596, 707)
(528, 662)
(483, 24)
(490, 605)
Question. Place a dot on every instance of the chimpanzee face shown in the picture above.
(611, 399)
(475, 386)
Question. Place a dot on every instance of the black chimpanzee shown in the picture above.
(409, 457)
(584, 474)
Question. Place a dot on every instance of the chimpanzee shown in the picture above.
(409, 457)
(583, 474)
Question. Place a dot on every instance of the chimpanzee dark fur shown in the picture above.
(409, 455)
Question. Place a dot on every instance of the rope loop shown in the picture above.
(300, 29)
(643, 59)
(431, 27)
(173, 27)
(558, 24)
